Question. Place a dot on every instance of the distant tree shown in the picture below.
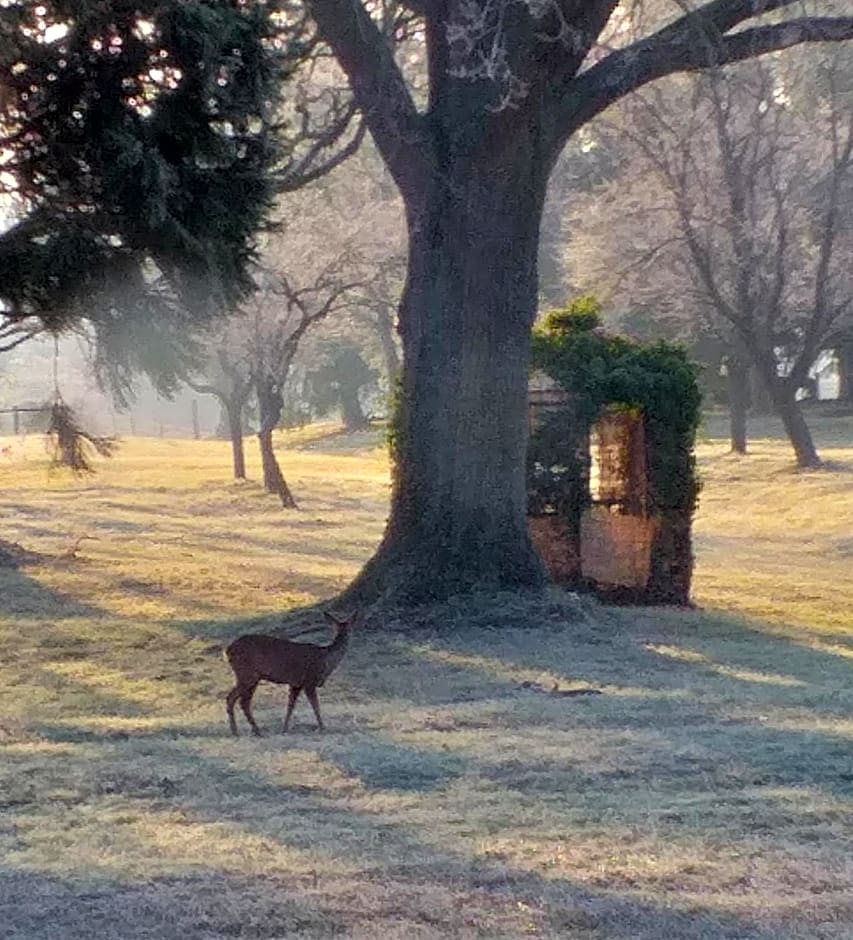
(377, 309)
(333, 258)
(369, 224)
(339, 383)
(251, 354)
(276, 321)
(222, 370)
(742, 176)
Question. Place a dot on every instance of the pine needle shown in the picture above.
(71, 445)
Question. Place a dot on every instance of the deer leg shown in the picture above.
(246, 692)
(311, 695)
(291, 703)
(230, 702)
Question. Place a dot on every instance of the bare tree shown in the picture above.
(224, 372)
(742, 179)
(370, 226)
(277, 319)
(377, 309)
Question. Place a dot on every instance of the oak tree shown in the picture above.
(509, 83)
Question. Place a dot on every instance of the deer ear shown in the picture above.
(332, 618)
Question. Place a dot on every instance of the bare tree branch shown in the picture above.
(694, 42)
(379, 88)
(306, 170)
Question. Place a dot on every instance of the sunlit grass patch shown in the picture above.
(746, 675)
(705, 794)
(770, 540)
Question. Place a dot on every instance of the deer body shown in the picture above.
(302, 666)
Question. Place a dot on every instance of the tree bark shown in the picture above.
(784, 395)
(270, 404)
(844, 354)
(234, 414)
(459, 503)
(738, 386)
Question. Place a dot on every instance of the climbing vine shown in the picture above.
(599, 370)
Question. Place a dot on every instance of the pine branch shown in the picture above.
(71, 444)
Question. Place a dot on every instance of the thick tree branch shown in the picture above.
(568, 32)
(203, 388)
(695, 42)
(379, 89)
(307, 171)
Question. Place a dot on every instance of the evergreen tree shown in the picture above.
(138, 144)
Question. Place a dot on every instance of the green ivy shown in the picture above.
(599, 370)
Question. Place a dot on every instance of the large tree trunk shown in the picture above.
(738, 388)
(458, 515)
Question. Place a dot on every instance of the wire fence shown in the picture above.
(19, 423)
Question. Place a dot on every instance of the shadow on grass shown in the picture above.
(307, 623)
(99, 701)
(384, 765)
(24, 596)
(294, 547)
(724, 705)
(723, 702)
(35, 906)
(665, 649)
(689, 749)
(400, 876)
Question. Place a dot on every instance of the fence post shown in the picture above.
(196, 431)
(16, 421)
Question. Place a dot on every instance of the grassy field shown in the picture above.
(708, 793)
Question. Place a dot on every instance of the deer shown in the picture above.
(302, 666)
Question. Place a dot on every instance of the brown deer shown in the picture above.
(305, 666)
